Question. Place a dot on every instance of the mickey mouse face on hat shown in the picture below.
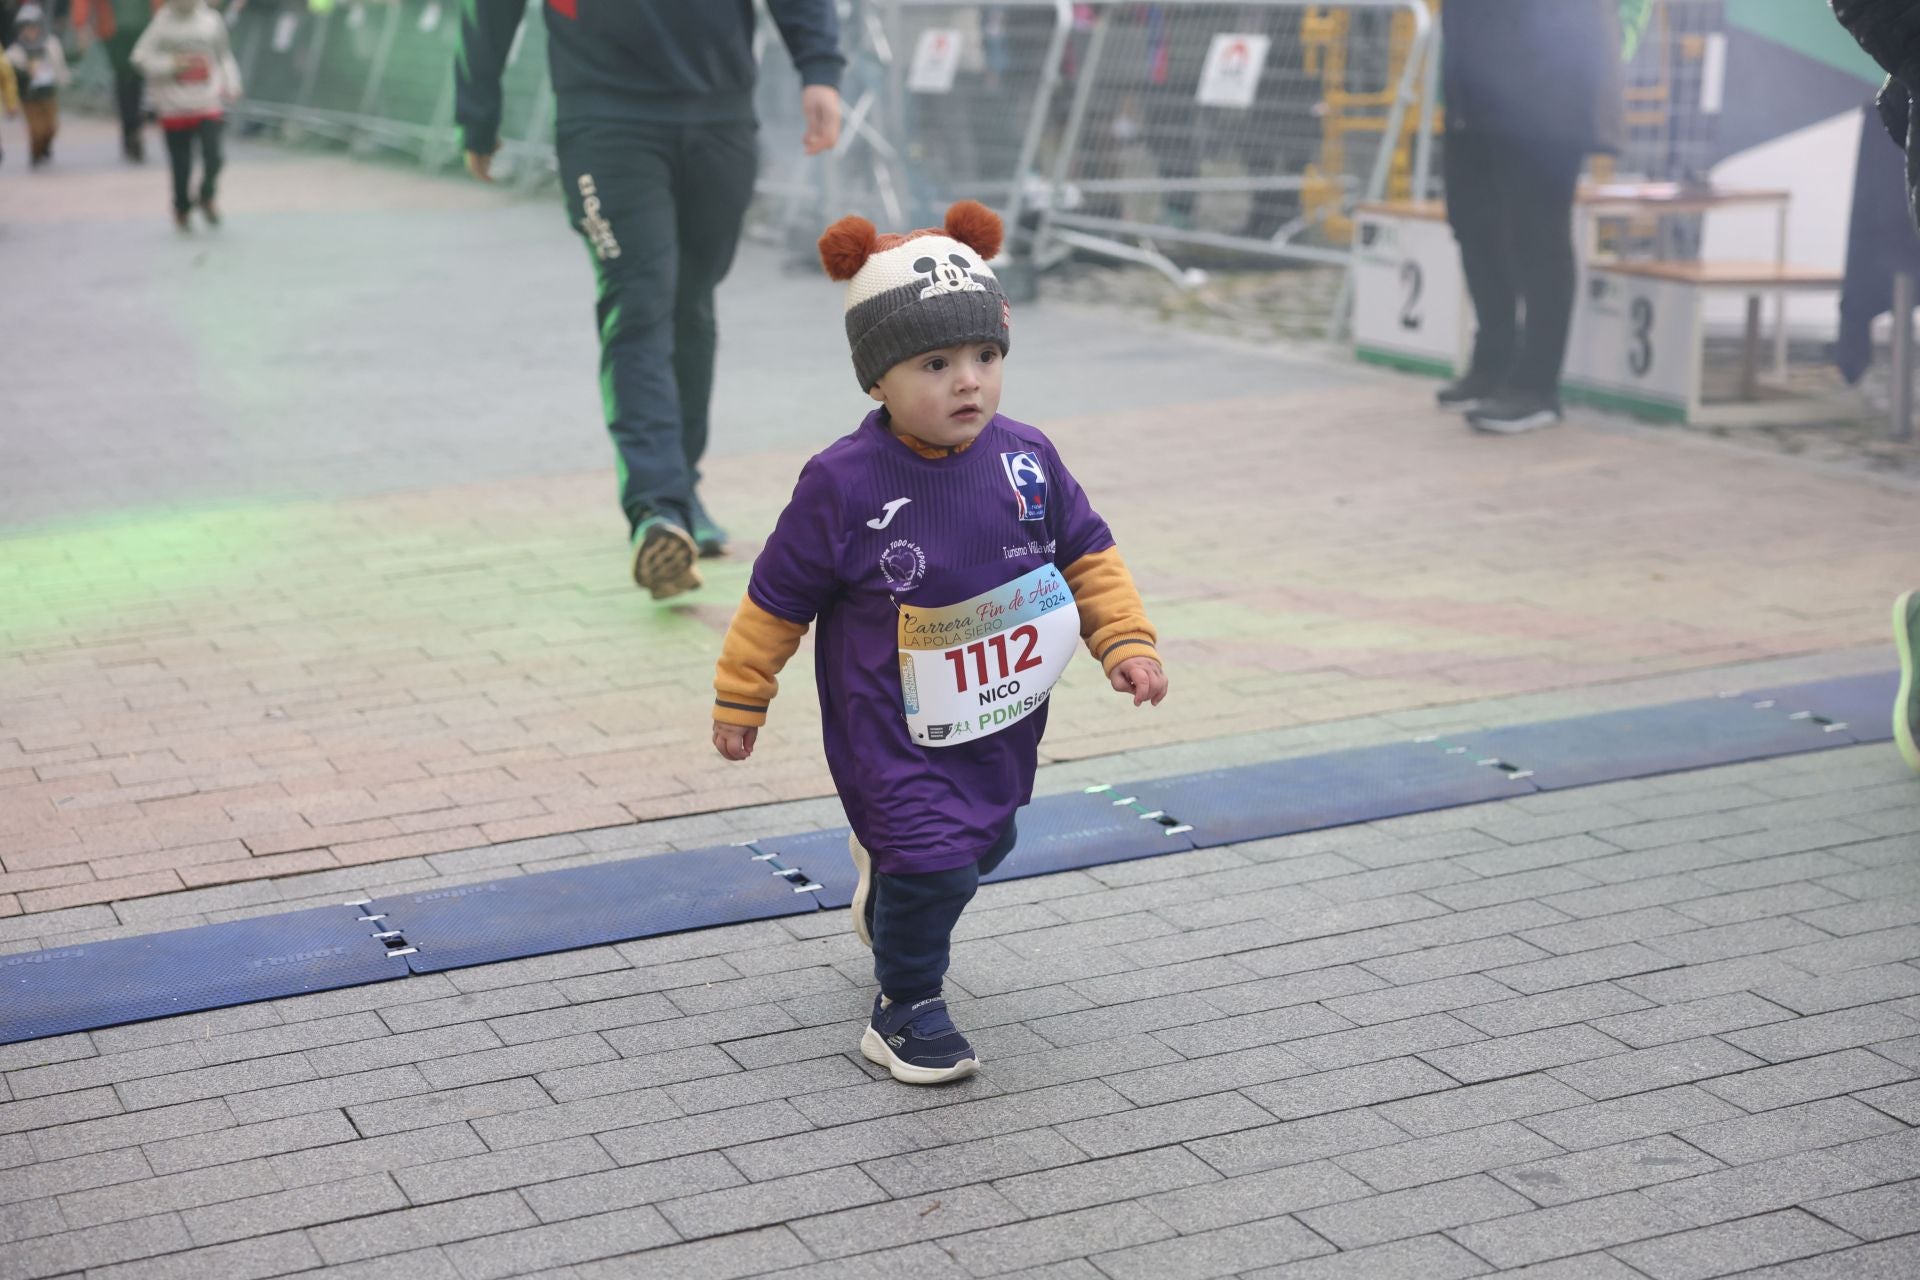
(955, 275)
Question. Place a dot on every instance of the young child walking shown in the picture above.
(191, 77)
(953, 564)
(39, 66)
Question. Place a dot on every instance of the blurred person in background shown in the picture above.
(118, 24)
(190, 70)
(9, 93)
(1889, 30)
(656, 139)
(40, 72)
(1531, 89)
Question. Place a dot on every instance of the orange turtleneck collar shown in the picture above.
(933, 452)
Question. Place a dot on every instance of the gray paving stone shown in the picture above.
(708, 1029)
(783, 1048)
(502, 1064)
(276, 1255)
(612, 1189)
(1129, 1177)
(1215, 1074)
(1641, 1115)
(384, 1049)
(1126, 1019)
(1365, 1085)
(1551, 1009)
(1875, 1213)
(1901, 1101)
(1527, 885)
(1432, 1257)
(1726, 942)
(478, 1006)
(517, 1253)
(437, 1224)
(1382, 1040)
(1255, 1196)
(318, 1033)
(600, 1077)
(1609, 930)
(190, 1026)
(447, 1106)
(1003, 1155)
(1758, 904)
(159, 1195)
(1890, 1156)
(1396, 1003)
(325, 1095)
(31, 1218)
(1627, 895)
(53, 1140)
(417, 989)
(712, 1213)
(1472, 1106)
(1866, 917)
(1807, 1127)
(1039, 1241)
(1451, 960)
(1644, 1070)
(94, 1072)
(1748, 1189)
(40, 1053)
(1296, 1142)
(214, 1082)
(575, 1119)
(1825, 1033)
(555, 968)
(1699, 826)
(1214, 1253)
(1518, 1055)
(1569, 1229)
(824, 1149)
(473, 1175)
(923, 1261)
(1721, 1250)
(1416, 1211)
(898, 1223)
(1604, 1170)
(1887, 1260)
(1163, 1125)
(881, 1096)
(1447, 1155)
(1696, 981)
(1176, 979)
(711, 1132)
(285, 1210)
(1714, 1015)
(601, 1015)
(1804, 1080)
(77, 1173)
(1862, 951)
(400, 1151)
(720, 1092)
(1582, 967)
(59, 1109)
(1079, 1062)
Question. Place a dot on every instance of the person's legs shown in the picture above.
(1541, 223)
(127, 88)
(1477, 213)
(41, 118)
(717, 165)
(180, 159)
(619, 184)
(212, 159)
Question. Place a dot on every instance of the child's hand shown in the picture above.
(734, 741)
(1143, 678)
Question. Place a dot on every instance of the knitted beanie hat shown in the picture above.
(919, 292)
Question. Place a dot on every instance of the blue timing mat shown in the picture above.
(1858, 708)
(1306, 793)
(102, 984)
(547, 911)
(820, 856)
(1647, 741)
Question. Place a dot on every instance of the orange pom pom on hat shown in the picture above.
(919, 292)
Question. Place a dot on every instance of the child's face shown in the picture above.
(944, 397)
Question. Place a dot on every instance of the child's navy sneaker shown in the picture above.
(917, 1042)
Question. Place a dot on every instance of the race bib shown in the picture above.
(973, 668)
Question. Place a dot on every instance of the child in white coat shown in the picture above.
(191, 77)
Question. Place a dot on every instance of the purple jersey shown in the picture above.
(872, 528)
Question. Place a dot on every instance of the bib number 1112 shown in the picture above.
(997, 646)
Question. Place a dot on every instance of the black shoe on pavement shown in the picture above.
(1512, 415)
(209, 211)
(707, 533)
(181, 221)
(1469, 391)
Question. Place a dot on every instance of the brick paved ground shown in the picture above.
(292, 646)
(309, 558)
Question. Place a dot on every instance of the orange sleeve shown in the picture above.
(757, 646)
(1113, 621)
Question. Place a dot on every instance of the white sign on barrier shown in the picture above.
(936, 61)
(1637, 340)
(284, 30)
(1232, 71)
(430, 16)
(1409, 297)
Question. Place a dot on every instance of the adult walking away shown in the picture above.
(1532, 87)
(118, 24)
(656, 141)
(1889, 30)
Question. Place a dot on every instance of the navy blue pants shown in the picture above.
(912, 918)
